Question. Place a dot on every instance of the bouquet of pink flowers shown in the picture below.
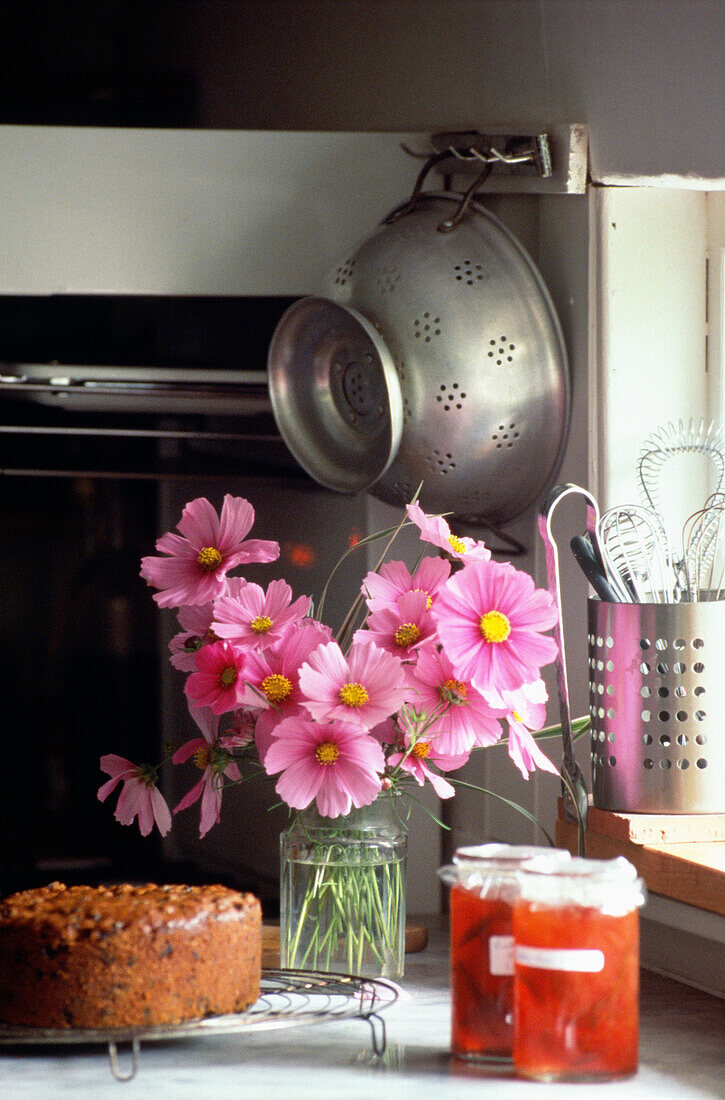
(445, 660)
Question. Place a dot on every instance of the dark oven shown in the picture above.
(114, 411)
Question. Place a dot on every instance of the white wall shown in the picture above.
(140, 211)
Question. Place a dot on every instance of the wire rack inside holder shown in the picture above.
(288, 998)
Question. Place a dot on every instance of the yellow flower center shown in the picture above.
(516, 716)
(201, 758)
(453, 691)
(457, 544)
(428, 598)
(261, 624)
(420, 750)
(353, 695)
(276, 687)
(406, 635)
(326, 752)
(228, 676)
(494, 626)
(209, 558)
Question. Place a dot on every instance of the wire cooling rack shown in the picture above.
(288, 998)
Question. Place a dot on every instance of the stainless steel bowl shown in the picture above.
(429, 356)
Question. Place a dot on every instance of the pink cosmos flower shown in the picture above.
(386, 732)
(384, 589)
(209, 546)
(363, 688)
(273, 678)
(525, 710)
(489, 618)
(333, 762)
(196, 631)
(258, 619)
(402, 629)
(139, 798)
(469, 719)
(212, 756)
(219, 680)
(435, 530)
(424, 752)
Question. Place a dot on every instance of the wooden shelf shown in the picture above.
(692, 871)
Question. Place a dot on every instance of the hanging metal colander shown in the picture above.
(432, 354)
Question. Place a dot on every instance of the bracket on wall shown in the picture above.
(510, 160)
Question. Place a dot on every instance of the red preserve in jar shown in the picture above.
(484, 884)
(576, 983)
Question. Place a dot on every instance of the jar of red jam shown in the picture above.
(484, 884)
(576, 980)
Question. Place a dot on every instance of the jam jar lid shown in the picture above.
(482, 866)
(507, 855)
(611, 885)
(616, 870)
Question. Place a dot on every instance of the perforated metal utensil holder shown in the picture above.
(657, 704)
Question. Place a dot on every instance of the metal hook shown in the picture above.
(512, 158)
(436, 158)
(469, 154)
(406, 207)
(450, 223)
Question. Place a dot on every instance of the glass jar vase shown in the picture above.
(342, 903)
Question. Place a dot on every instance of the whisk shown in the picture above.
(703, 550)
(673, 460)
(636, 550)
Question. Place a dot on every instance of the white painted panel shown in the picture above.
(647, 359)
(716, 304)
(188, 212)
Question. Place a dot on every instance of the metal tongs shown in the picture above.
(574, 789)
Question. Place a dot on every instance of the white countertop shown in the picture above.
(682, 1054)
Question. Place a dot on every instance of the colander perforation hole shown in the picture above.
(501, 350)
(468, 273)
(387, 279)
(441, 462)
(426, 327)
(506, 436)
(344, 272)
(403, 491)
(451, 396)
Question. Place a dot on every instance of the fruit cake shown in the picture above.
(127, 955)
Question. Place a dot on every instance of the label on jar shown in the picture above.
(580, 959)
(501, 955)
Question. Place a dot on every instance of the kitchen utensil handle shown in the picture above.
(583, 552)
(574, 789)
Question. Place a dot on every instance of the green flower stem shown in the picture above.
(508, 801)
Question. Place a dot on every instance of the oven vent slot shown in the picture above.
(130, 385)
